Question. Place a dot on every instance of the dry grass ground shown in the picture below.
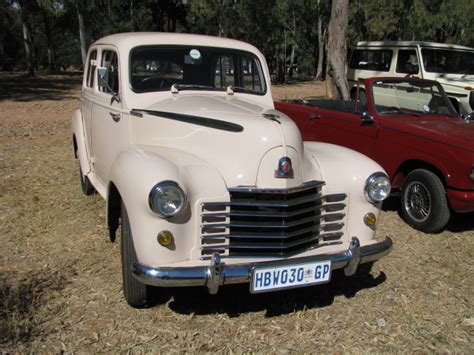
(60, 277)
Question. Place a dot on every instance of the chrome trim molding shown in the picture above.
(217, 273)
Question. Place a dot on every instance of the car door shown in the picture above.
(332, 125)
(108, 124)
(342, 128)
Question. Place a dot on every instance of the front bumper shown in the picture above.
(461, 201)
(217, 273)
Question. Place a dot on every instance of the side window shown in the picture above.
(407, 61)
(110, 61)
(91, 69)
(371, 59)
(224, 72)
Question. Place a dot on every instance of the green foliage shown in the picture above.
(279, 28)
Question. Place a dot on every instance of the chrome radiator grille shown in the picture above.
(279, 222)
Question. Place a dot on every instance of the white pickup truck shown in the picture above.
(208, 184)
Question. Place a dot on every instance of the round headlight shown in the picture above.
(167, 199)
(377, 187)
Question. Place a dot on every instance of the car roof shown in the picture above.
(129, 40)
(411, 44)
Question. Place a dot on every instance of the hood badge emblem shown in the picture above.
(285, 170)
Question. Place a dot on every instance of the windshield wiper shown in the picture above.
(232, 89)
(175, 88)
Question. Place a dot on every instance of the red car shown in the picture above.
(410, 127)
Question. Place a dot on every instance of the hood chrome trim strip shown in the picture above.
(197, 120)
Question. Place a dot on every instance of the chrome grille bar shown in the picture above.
(274, 222)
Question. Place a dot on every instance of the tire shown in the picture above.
(137, 295)
(86, 185)
(423, 201)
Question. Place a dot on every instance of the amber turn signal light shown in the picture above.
(165, 238)
(370, 219)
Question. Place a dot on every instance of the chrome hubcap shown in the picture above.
(417, 201)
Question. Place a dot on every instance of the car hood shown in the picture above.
(461, 80)
(451, 131)
(242, 139)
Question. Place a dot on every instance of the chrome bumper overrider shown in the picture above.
(217, 273)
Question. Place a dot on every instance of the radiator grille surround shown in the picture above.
(271, 222)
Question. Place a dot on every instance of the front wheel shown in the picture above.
(423, 201)
(138, 295)
(86, 185)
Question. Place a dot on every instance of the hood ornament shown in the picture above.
(272, 117)
(285, 170)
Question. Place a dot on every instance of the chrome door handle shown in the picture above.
(115, 116)
(314, 116)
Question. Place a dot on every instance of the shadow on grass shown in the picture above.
(234, 300)
(19, 87)
(458, 223)
(20, 299)
(461, 222)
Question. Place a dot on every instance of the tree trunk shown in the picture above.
(2, 54)
(337, 48)
(82, 35)
(49, 39)
(27, 39)
(221, 17)
(292, 61)
(321, 47)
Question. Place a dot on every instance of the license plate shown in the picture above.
(289, 276)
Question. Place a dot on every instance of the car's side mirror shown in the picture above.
(103, 74)
(468, 116)
(366, 119)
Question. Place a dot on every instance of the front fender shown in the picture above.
(79, 137)
(345, 170)
(136, 171)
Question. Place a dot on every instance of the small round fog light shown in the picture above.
(370, 219)
(165, 238)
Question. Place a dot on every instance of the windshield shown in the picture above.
(410, 97)
(448, 61)
(158, 68)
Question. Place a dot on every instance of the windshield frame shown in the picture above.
(404, 111)
(221, 50)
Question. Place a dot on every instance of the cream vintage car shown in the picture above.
(210, 185)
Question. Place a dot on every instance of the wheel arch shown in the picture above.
(74, 145)
(114, 201)
(409, 165)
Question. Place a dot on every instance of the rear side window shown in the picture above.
(91, 69)
(407, 62)
(110, 61)
(371, 59)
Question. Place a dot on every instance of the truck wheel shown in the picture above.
(423, 202)
(138, 295)
(86, 185)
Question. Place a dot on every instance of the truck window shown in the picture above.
(91, 68)
(110, 61)
(448, 61)
(407, 62)
(371, 59)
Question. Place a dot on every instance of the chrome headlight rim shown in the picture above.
(158, 190)
(371, 182)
